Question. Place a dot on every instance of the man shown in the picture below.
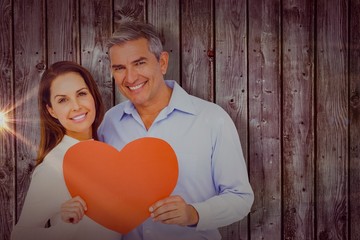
(213, 188)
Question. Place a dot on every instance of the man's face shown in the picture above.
(137, 72)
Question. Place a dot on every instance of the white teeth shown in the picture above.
(79, 117)
(136, 87)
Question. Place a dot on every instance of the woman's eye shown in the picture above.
(83, 93)
(61, 100)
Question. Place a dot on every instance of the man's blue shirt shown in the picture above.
(212, 170)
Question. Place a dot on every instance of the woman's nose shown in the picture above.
(76, 105)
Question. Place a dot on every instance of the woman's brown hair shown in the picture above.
(52, 132)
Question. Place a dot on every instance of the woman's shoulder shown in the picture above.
(54, 159)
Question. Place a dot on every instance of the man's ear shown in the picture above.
(164, 62)
(51, 111)
(111, 73)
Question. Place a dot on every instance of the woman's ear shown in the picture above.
(51, 111)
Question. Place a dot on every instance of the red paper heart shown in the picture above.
(119, 187)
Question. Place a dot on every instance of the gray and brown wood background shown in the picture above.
(287, 71)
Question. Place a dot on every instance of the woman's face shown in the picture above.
(73, 105)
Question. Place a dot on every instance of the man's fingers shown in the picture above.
(165, 201)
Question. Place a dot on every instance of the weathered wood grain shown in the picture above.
(265, 118)
(95, 25)
(197, 51)
(231, 80)
(30, 63)
(129, 10)
(7, 159)
(332, 120)
(165, 15)
(354, 127)
(298, 121)
(62, 31)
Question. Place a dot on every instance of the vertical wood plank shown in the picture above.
(127, 10)
(332, 120)
(298, 122)
(165, 15)
(62, 31)
(231, 80)
(30, 52)
(7, 162)
(354, 169)
(265, 118)
(197, 48)
(95, 25)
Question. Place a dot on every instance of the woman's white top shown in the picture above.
(46, 194)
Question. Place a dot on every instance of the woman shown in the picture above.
(71, 110)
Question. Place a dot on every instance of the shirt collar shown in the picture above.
(180, 100)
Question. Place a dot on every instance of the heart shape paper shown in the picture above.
(119, 187)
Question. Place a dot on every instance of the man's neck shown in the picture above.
(149, 112)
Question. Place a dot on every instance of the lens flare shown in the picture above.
(9, 122)
(3, 121)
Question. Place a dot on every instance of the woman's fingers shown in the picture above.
(73, 210)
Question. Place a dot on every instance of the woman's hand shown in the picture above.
(72, 211)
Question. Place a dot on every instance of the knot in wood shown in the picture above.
(355, 100)
(210, 53)
(40, 66)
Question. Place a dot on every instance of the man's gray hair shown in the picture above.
(133, 30)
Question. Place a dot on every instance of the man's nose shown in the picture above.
(131, 75)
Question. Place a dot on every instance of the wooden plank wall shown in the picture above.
(287, 72)
(332, 120)
(7, 140)
(298, 119)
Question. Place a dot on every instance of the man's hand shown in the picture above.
(174, 210)
(73, 210)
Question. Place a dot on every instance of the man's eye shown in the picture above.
(140, 63)
(118, 68)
